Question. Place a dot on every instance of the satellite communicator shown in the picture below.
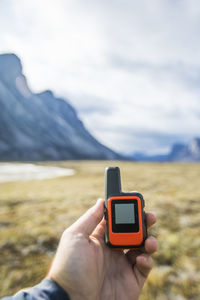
(124, 214)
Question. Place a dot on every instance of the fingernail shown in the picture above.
(98, 200)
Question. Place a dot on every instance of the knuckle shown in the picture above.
(149, 263)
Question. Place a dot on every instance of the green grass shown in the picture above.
(33, 215)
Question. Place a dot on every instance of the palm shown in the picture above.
(123, 284)
(116, 279)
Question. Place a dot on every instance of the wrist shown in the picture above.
(68, 287)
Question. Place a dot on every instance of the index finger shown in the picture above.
(150, 219)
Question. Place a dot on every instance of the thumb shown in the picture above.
(89, 221)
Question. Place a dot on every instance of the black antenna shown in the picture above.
(112, 182)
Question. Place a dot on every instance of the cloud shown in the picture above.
(179, 71)
(131, 68)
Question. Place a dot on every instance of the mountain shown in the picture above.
(190, 152)
(178, 152)
(36, 127)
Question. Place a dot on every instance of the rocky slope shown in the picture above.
(40, 126)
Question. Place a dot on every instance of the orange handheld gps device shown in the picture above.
(124, 214)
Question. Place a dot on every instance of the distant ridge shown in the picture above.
(179, 153)
(36, 127)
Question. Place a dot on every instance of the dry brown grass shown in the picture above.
(33, 215)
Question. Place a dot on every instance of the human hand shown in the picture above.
(87, 268)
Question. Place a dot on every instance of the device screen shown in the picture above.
(124, 213)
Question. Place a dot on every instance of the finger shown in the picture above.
(144, 264)
(131, 256)
(150, 245)
(100, 230)
(88, 222)
(150, 219)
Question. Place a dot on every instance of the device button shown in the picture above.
(105, 214)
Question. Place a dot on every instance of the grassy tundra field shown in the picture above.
(33, 215)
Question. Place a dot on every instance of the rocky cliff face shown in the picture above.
(40, 126)
(190, 152)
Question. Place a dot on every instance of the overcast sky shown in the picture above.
(131, 68)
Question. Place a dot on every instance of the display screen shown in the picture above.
(124, 213)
